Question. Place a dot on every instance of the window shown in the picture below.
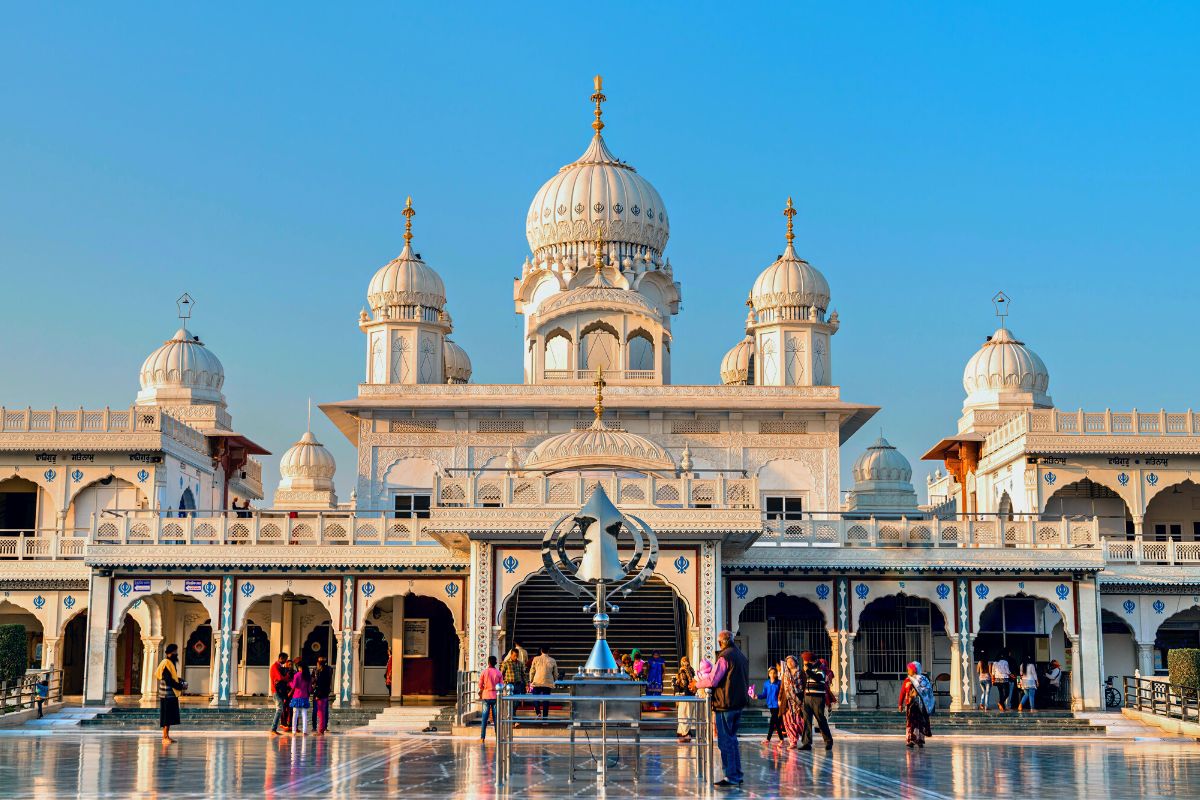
(558, 352)
(641, 353)
(599, 348)
(1172, 531)
(412, 506)
(788, 508)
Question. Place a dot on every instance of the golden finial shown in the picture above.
(599, 384)
(598, 98)
(789, 212)
(408, 215)
(599, 246)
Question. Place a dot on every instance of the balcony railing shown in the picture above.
(570, 490)
(135, 419)
(590, 374)
(982, 532)
(41, 545)
(271, 528)
(1139, 551)
(1097, 423)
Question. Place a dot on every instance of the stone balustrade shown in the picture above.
(982, 532)
(272, 527)
(572, 490)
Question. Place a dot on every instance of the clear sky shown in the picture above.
(258, 157)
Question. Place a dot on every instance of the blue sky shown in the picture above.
(258, 157)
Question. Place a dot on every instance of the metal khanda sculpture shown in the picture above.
(600, 572)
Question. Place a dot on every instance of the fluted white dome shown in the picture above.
(790, 283)
(307, 458)
(184, 368)
(406, 280)
(598, 446)
(597, 189)
(882, 462)
(458, 364)
(1002, 368)
(738, 364)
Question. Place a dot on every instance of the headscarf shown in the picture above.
(790, 682)
(915, 666)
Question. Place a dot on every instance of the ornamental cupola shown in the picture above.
(1005, 373)
(882, 483)
(597, 226)
(306, 472)
(408, 323)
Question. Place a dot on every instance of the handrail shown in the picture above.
(1162, 698)
(22, 694)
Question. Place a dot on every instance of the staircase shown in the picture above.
(398, 720)
(945, 723)
(205, 718)
(541, 614)
(66, 717)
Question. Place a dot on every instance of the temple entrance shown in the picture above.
(130, 655)
(11, 614)
(74, 654)
(894, 631)
(290, 623)
(1180, 630)
(423, 628)
(541, 614)
(18, 507)
(772, 628)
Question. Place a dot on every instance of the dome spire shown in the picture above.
(790, 212)
(598, 98)
(599, 247)
(1001, 301)
(184, 304)
(599, 383)
(408, 213)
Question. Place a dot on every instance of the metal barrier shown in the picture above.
(22, 693)
(698, 719)
(467, 695)
(1162, 698)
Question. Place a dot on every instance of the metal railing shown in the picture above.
(273, 527)
(467, 694)
(42, 544)
(23, 693)
(1161, 698)
(933, 532)
(698, 719)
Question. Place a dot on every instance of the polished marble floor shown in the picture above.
(110, 765)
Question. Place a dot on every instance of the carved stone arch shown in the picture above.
(124, 601)
(598, 325)
(1095, 478)
(923, 590)
(244, 605)
(1178, 606)
(1038, 590)
(36, 476)
(140, 498)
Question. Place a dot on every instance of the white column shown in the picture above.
(1145, 659)
(398, 647)
(1076, 674)
(110, 665)
(96, 664)
(956, 675)
(49, 652)
(151, 655)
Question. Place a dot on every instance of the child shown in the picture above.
(301, 688)
(43, 693)
(771, 695)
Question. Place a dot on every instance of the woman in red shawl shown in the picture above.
(791, 700)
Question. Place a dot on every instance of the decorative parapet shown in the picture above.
(275, 527)
(881, 559)
(563, 490)
(1073, 431)
(984, 532)
(420, 558)
(140, 428)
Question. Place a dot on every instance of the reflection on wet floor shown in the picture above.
(210, 765)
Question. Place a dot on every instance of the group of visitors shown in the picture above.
(999, 675)
(301, 696)
(791, 693)
(517, 673)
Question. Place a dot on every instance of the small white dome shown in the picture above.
(307, 458)
(183, 363)
(597, 189)
(598, 446)
(597, 295)
(1004, 365)
(406, 281)
(458, 365)
(737, 367)
(882, 462)
(790, 283)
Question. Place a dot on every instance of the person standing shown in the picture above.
(522, 654)
(771, 697)
(916, 700)
(791, 701)
(729, 682)
(322, 688)
(655, 671)
(169, 690)
(301, 686)
(1002, 680)
(489, 680)
(983, 672)
(684, 684)
(543, 672)
(1029, 683)
(280, 678)
(513, 670)
(1054, 676)
(815, 686)
(42, 688)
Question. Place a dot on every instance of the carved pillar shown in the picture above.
(398, 647)
(49, 652)
(99, 610)
(347, 647)
(710, 572)
(151, 655)
(1076, 674)
(961, 652)
(110, 665)
(482, 599)
(1145, 659)
(847, 686)
(464, 647)
(225, 676)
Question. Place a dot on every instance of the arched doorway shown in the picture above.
(1085, 499)
(107, 494)
(773, 627)
(74, 654)
(1174, 514)
(12, 614)
(424, 630)
(892, 632)
(290, 623)
(18, 507)
(539, 613)
(1019, 627)
(129, 658)
(1177, 631)
(1120, 648)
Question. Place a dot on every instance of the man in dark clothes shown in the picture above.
(322, 687)
(729, 682)
(815, 686)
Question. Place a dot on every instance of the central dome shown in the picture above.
(597, 189)
(183, 363)
(1005, 366)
